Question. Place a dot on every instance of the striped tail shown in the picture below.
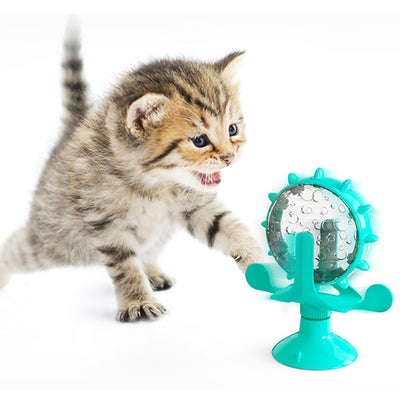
(16, 255)
(74, 86)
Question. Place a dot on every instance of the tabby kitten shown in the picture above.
(128, 171)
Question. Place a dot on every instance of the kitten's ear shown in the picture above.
(146, 112)
(229, 65)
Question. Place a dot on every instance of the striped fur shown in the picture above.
(73, 84)
(127, 172)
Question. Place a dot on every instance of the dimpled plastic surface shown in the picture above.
(314, 209)
(333, 213)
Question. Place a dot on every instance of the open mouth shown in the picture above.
(208, 179)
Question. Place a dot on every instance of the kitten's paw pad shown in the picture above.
(148, 309)
(161, 282)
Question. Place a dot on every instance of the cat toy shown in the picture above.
(318, 230)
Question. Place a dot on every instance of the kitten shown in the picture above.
(127, 172)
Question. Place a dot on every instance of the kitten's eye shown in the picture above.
(233, 130)
(200, 141)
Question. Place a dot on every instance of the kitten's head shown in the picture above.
(186, 119)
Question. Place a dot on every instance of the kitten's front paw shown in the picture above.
(160, 282)
(148, 309)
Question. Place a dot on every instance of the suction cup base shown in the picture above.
(314, 347)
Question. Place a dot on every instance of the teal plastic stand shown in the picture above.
(315, 346)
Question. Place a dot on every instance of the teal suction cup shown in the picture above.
(318, 231)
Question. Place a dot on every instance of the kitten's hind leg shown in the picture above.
(158, 279)
(17, 255)
(131, 285)
(4, 278)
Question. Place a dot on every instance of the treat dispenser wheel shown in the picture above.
(318, 230)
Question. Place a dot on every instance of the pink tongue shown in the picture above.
(210, 179)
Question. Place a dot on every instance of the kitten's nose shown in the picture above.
(227, 158)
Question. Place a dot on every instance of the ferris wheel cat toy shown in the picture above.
(318, 230)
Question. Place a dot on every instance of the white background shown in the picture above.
(318, 91)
